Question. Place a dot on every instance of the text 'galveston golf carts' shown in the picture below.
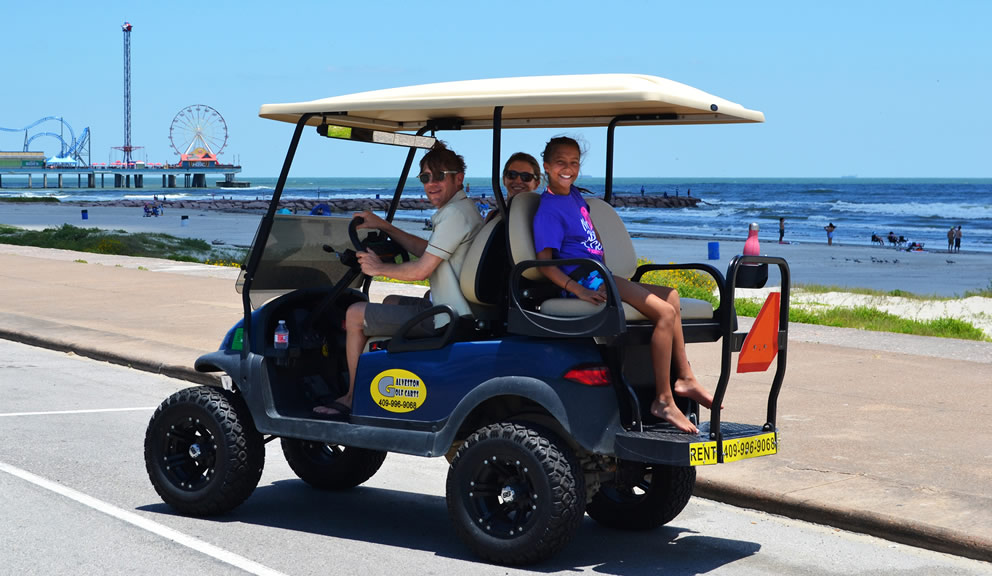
(541, 406)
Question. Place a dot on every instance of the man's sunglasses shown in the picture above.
(426, 177)
(525, 177)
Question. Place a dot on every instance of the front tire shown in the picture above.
(643, 496)
(515, 494)
(203, 454)
(329, 466)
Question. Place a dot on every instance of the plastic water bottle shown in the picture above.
(592, 281)
(751, 245)
(281, 336)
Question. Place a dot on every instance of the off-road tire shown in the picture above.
(329, 466)
(515, 493)
(203, 454)
(655, 498)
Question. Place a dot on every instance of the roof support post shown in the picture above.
(403, 177)
(610, 130)
(264, 228)
(497, 139)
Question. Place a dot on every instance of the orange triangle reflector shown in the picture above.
(761, 342)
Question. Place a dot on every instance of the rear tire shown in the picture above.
(515, 494)
(643, 496)
(203, 454)
(330, 466)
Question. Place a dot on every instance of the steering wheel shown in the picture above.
(379, 242)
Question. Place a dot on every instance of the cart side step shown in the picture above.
(662, 444)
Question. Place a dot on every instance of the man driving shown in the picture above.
(439, 258)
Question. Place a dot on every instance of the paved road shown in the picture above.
(76, 500)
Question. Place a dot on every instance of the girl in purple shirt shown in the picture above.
(563, 229)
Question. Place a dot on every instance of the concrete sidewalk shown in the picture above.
(885, 434)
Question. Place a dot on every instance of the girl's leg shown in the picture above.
(663, 316)
(686, 384)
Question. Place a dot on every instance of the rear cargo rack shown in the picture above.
(718, 442)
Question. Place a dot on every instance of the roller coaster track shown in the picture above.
(72, 148)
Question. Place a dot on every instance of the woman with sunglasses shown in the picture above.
(439, 258)
(521, 173)
(563, 229)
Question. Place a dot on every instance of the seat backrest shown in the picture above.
(483, 275)
(619, 254)
(520, 229)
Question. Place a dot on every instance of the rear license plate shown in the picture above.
(705, 453)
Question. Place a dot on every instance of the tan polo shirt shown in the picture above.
(455, 226)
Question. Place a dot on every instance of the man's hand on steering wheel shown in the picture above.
(386, 248)
(370, 263)
(368, 219)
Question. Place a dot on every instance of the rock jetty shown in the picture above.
(350, 205)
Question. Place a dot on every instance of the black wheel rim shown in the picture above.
(634, 488)
(502, 495)
(189, 454)
(322, 453)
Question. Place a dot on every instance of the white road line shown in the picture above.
(144, 523)
(93, 411)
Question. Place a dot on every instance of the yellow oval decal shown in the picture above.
(398, 390)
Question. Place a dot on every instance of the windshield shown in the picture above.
(294, 256)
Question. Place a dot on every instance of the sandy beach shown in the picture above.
(844, 266)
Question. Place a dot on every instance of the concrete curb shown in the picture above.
(861, 521)
(173, 371)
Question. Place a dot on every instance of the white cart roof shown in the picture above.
(528, 102)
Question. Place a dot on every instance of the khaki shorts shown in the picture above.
(386, 319)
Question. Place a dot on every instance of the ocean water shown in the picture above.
(922, 210)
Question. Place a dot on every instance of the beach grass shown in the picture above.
(30, 199)
(873, 320)
(982, 293)
(824, 289)
(701, 286)
(121, 243)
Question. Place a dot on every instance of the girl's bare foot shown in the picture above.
(673, 416)
(692, 389)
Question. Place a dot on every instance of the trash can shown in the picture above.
(714, 250)
(184, 220)
(86, 214)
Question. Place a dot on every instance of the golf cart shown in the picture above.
(539, 403)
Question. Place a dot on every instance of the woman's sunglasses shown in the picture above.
(525, 177)
(426, 177)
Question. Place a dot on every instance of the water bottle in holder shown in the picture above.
(281, 339)
(751, 246)
(752, 275)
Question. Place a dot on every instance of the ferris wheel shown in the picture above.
(198, 130)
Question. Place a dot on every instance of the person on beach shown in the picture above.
(521, 173)
(950, 240)
(440, 258)
(563, 229)
(830, 233)
(781, 229)
(957, 239)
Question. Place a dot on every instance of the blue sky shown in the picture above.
(873, 89)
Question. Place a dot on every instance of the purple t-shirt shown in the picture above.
(562, 223)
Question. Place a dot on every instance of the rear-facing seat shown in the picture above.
(619, 257)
